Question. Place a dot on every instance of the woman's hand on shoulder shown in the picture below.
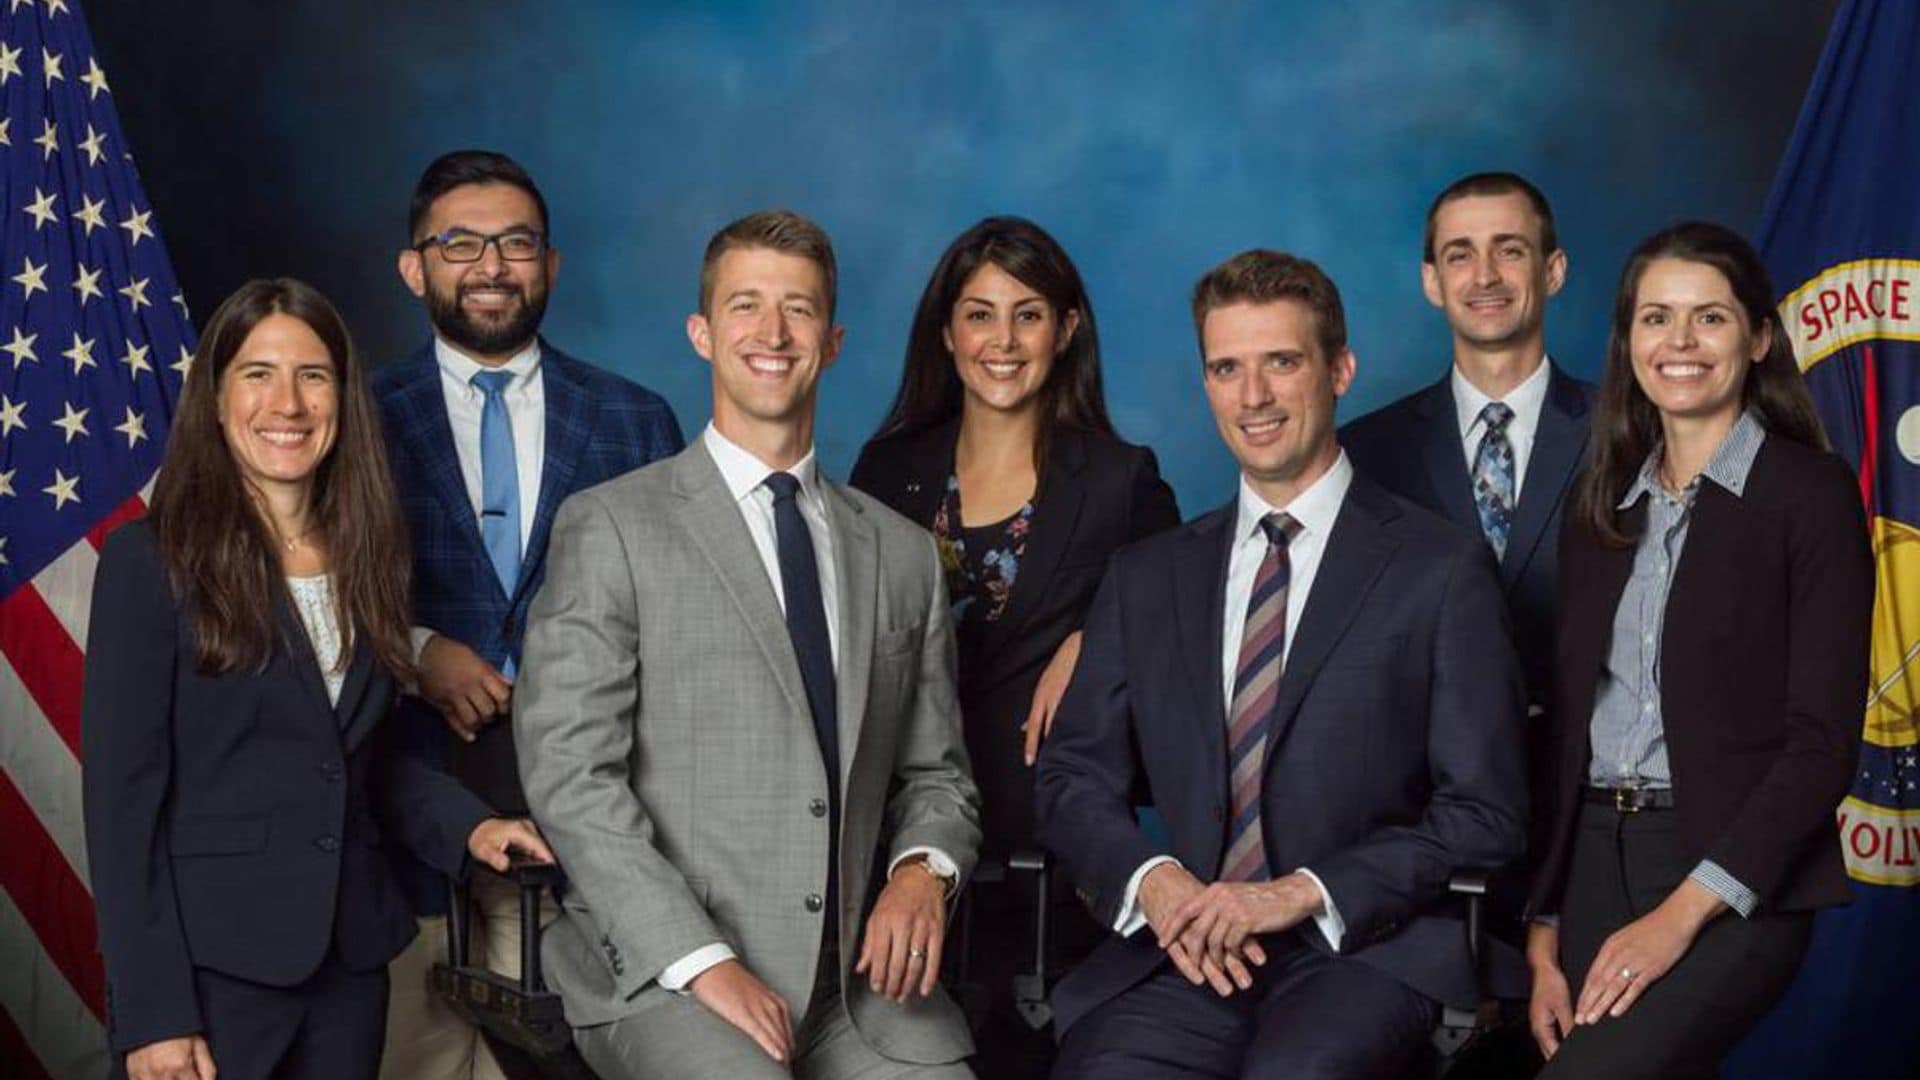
(184, 1058)
(1047, 694)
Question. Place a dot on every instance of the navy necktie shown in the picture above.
(807, 622)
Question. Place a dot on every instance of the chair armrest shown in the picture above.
(1468, 883)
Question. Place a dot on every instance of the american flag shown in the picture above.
(94, 343)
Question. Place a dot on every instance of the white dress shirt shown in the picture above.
(1526, 401)
(745, 476)
(1315, 509)
(526, 398)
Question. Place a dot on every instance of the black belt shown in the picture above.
(1629, 800)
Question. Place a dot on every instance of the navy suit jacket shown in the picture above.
(234, 821)
(1394, 760)
(1412, 447)
(598, 426)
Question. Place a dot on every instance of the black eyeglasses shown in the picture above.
(462, 246)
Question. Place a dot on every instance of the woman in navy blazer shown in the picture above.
(998, 442)
(1716, 591)
(245, 643)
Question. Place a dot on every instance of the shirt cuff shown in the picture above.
(1332, 926)
(679, 974)
(1547, 920)
(418, 636)
(937, 861)
(1132, 917)
(1725, 886)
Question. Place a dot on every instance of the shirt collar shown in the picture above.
(1526, 400)
(1730, 466)
(744, 473)
(1315, 508)
(462, 368)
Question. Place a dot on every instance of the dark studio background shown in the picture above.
(1152, 139)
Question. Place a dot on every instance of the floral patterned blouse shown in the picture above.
(980, 563)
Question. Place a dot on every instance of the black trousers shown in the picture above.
(330, 1027)
(1000, 946)
(1308, 1016)
(1623, 866)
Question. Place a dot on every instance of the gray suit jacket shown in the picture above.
(669, 756)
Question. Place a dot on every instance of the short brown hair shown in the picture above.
(1495, 183)
(1262, 276)
(777, 230)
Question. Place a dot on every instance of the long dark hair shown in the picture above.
(220, 559)
(930, 391)
(1626, 426)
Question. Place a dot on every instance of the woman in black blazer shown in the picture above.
(245, 642)
(1715, 603)
(998, 442)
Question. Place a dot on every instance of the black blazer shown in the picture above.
(1413, 448)
(1393, 763)
(234, 821)
(1764, 663)
(1095, 495)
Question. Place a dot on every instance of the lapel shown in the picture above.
(1056, 512)
(713, 526)
(1199, 601)
(429, 438)
(1557, 443)
(1446, 464)
(567, 435)
(925, 465)
(1356, 554)
(856, 562)
(306, 671)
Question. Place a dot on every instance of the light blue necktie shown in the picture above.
(499, 480)
(1493, 477)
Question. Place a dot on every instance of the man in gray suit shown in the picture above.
(737, 728)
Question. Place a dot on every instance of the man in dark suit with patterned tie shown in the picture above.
(1302, 683)
(489, 428)
(1494, 445)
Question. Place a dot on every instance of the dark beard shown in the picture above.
(482, 339)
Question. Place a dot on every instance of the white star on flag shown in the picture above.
(136, 359)
(10, 64)
(89, 213)
(3, 551)
(41, 208)
(136, 226)
(56, 7)
(64, 489)
(134, 427)
(6, 481)
(95, 79)
(92, 143)
(10, 415)
(31, 277)
(87, 283)
(21, 347)
(81, 353)
(184, 363)
(74, 422)
(49, 140)
(136, 292)
(51, 62)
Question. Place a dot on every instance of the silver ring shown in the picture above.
(915, 952)
(1626, 973)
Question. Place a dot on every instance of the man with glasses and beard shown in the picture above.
(489, 428)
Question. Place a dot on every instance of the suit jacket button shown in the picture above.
(818, 808)
(327, 843)
(814, 902)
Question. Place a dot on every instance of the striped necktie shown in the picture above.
(1256, 687)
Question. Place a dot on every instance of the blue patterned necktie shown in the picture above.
(499, 480)
(1493, 477)
(1256, 689)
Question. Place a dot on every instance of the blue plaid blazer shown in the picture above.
(598, 426)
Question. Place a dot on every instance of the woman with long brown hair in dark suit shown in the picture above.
(244, 646)
(1716, 592)
(998, 442)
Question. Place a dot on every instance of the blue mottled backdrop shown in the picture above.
(1154, 139)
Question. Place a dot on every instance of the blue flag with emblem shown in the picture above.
(1841, 236)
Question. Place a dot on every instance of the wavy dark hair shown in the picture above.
(219, 553)
(930, 391)
(1626, 425)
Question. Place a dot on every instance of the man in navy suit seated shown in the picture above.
(1315, 686)
(489, 428)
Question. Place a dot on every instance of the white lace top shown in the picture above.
(313, 598)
